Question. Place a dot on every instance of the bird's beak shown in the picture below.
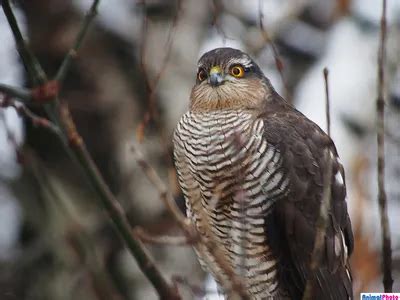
(216, 78)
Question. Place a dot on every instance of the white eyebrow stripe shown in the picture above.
(244, 61)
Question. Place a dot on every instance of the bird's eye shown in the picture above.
(201, 75)
(237, 71)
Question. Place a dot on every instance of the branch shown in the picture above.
(90, 15)
(196, 290)
(22, 95)
(230, 282)
(324, 208)
(165, 196)
(267, 39)
(36, 120)
(218, 9)
(145, 237)
(114, 209)
(151, 85)
(74, 145)
(380, 106)
(327, 102)
(75, 232)
(30, 62)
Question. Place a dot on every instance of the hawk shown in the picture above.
(251, 167)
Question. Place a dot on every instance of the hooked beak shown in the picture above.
(216, 78)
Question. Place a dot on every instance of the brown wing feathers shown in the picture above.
(292, 226)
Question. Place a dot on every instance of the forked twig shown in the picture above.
(90, 15)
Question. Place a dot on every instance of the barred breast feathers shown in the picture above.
(226, 167)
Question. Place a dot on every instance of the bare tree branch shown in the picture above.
(90, 15)
(145, 237)
(327, 102)
(324, 208)
(22, 95)
(268, 40)
(228, 279)
(36, 120)
(31, 64)
(380, 111)
(49, 90)
(196, 290)
(151, 85)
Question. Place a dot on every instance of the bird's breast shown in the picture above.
(228, 156)
(236, 174)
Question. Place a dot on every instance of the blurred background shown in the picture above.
(130, 84)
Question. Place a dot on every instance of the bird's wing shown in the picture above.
(292, 226)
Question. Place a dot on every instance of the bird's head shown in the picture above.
(228, 79)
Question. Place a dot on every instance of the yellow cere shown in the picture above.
(216, 70)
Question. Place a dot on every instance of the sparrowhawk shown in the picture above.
(252, 168)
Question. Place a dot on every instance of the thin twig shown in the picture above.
(268, 40)
(22, 95)
(327, 102)
(151, 85)
(218, 9)
(75, 146)
(168, 45)
(325, 203)
(142, 61)
(165, 196)
(36, 120)
(382, 200)
(145, 237)
(196, 290)
(77, 234)
(90, 15)
(114, 209)
(30, 62)
(11, 138)
(226, 275)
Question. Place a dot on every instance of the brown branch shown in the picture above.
(218, 8)
(151, 85)
(114, 209)
(75, 146)
(327, 102)
(267, 40)
(30, 62)
(23, 111)
(196, 290)
(324, 208)
(146, 237)
(382, 200)
(90, 15)
(76, 234)
(21, 94)
(201, 244)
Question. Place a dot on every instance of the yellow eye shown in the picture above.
(237, 71)
(201, 75)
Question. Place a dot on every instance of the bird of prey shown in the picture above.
(251, 168)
